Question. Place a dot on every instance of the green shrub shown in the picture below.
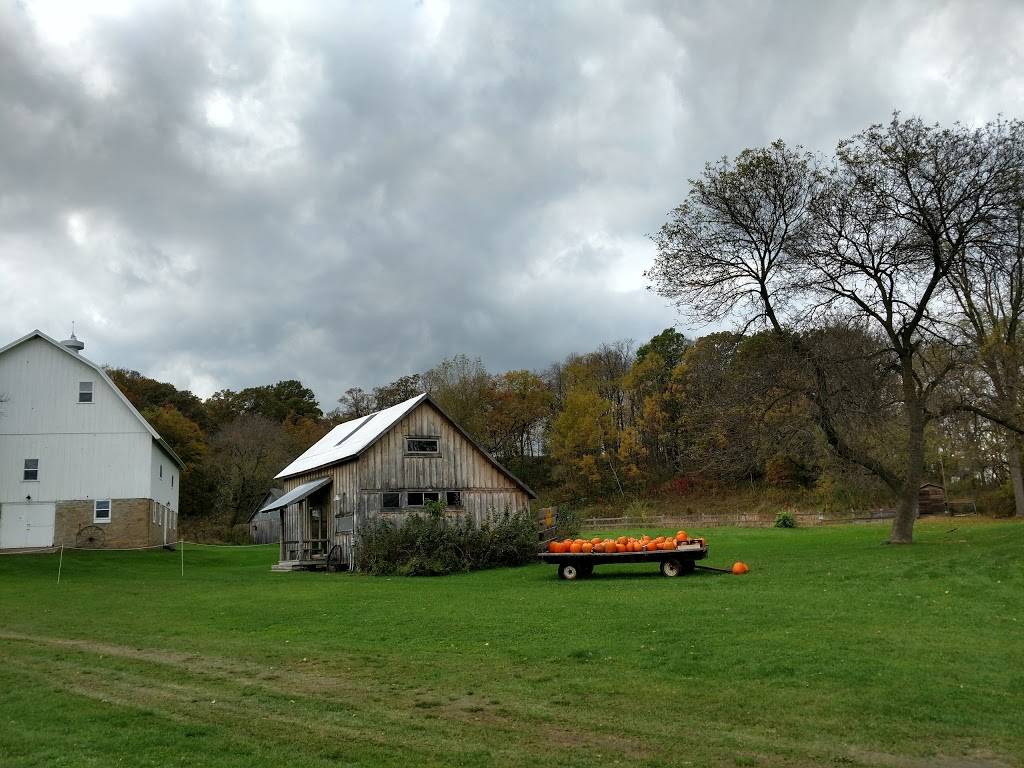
(785, 520)
(638, 510)
(568, 520)
(429, 545)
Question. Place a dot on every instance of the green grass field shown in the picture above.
(834, 650)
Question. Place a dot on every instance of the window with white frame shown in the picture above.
(101, 511)
(85, 391)
(31, 471)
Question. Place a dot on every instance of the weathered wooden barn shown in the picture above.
(265, 527)
(931, 500)
(392, 463)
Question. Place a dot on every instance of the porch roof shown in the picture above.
(297, 494)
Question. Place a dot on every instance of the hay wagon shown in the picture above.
(672, 562)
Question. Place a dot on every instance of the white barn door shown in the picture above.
(26, 525)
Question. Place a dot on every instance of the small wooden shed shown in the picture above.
(931, 500)
(390, 463)
(265, 527)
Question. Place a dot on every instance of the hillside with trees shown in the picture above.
(872, 302)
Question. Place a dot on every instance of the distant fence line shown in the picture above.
(740, 519)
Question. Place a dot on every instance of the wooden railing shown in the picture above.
(306, 549)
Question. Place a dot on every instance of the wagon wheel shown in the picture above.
(90, 537)
(671, 567)
(569, 572)
(334, 558)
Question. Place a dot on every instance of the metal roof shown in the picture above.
(297, 494)
(102, 374)
(349, 439)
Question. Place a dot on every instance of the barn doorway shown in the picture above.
(26, 525)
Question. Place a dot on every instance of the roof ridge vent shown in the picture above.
(73, 343)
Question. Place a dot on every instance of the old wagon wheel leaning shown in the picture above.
(90, 537)
(334, 558)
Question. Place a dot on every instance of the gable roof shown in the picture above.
(351, 439)
(272, 495)
(99, 372)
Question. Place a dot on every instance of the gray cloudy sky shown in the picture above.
(235, 193)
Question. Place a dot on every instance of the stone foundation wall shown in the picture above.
(131, 525)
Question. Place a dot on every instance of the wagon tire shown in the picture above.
(568, 572)
(671, 568)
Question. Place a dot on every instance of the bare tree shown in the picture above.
(989, 288)
(355, 402)
(776, 241)
(246, 454)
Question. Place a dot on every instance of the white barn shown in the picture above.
(79, 465)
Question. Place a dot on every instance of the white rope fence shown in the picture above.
(179, 544)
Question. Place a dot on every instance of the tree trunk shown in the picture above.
(906, 512)
(1016, 475)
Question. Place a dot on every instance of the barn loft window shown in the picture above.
(101, 511)
(31, 469)
(391, 500)
(453, 498)
(422, 446)
(419, 498)
(85, 391)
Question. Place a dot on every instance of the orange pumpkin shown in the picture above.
(596, 540)
(554, 546)
(681, 536)
(576, 547)
(740, 568)
(586, 548)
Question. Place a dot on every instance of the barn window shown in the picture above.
(31, 469)
(101, 511)
(391, 500)
(453, 498)
(85, 391)
(431, 496)
(422, 445)
(414, 499)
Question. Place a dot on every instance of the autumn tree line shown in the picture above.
(871, 301)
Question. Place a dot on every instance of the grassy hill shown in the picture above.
(833, 650)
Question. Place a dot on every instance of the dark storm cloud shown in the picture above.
(224, 195)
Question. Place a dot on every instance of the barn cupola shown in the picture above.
(74, 344)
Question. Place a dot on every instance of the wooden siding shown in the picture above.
(384, 466)
(96, 450)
